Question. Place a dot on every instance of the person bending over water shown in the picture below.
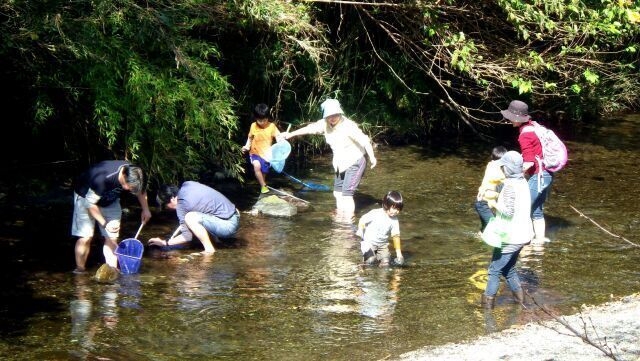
(202, 211)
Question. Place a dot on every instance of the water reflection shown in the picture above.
(501, 318)
(337, 266)
(88, 317)
(129, 291)
(193, 289)
(292, 289)
(82, 331)
(262, 264)
(379, 290)
(350, 288)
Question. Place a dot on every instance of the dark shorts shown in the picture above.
(264, 165)
(347, 181)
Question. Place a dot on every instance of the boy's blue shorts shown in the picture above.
(264, 165)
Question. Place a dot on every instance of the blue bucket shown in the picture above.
(129, 253)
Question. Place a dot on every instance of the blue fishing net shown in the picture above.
(279, 153)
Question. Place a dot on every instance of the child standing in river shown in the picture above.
(261, 136)
(377, 226)
(513, 227)
(490, 187)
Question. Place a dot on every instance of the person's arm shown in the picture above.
(527, 141)
(372, 158)
(313, 128)
(395, 237)
(247, 145)
(506, 208)
(112, 226)
(365, 142)
(173, 241)
(182, 208)
(145, 215)
(362, 224)
(398, 247)
(490, 194)
(94, 210)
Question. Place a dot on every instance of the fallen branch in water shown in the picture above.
(584, 336)
(602, 228)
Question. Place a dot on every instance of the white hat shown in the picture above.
(330, 107)
(511, 162)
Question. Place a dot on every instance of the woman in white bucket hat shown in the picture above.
(349, 146)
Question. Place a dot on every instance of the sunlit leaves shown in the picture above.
(576, 88)
(633, 16)
(591, 77)
(463, 56)
(43, 110)
(524, 86)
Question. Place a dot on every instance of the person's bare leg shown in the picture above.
(345, 207)
(108, 249)
(83, 245)
(258, 172)
(347, 212)
(193, 222)
(338, 197)
(348, 206)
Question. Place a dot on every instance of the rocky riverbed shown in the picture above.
(605, 332)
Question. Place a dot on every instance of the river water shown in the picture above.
(294, 289)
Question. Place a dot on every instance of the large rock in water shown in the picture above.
(274, 206)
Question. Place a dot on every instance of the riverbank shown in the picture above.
(614, 327)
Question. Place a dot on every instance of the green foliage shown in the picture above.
(464, 53)
(593, 38)
(157, 99)
(170, 84)
(523, 86)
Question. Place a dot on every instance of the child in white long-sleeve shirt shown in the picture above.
(377, 226)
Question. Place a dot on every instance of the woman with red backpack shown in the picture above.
(539, 176)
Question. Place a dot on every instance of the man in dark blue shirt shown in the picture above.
(97, 199)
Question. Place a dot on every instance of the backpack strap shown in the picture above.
(527, 128)
(541, 169)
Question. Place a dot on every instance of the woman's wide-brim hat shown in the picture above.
(518, 112)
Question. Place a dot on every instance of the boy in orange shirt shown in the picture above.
(261, 136)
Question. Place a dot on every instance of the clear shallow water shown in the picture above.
(293, 289)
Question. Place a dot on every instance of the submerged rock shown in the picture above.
(107, 274)
(276, 206)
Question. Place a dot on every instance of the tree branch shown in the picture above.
(602, 228)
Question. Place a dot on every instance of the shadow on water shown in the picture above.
(291, 289)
